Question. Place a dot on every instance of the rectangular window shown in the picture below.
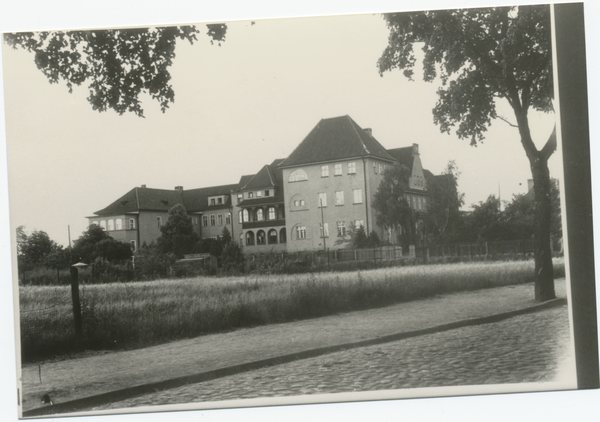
(213, 220)
(258, 194)
(352, 168)
(119, 224)
(357, 193)
(337, 170)
(324, 233)
(250, 195)
(324, 171)
(267, 192)
(204, 220)
(380, 168)
(299, 203)
(322, 199)
(240, 197)
(212, 201)
(339, 197)
(358, 224)
(194, 220)
(219, 200)
(158, 222)
(341, 228)
(131, 224)
(228, 218)
(220, 219)
(301, 232)
(375, 168)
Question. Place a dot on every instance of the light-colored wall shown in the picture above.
(123, 235)
(310, 215)
(217, 230)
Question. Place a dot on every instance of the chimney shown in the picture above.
(179, 188)
(368, 131)
(143, 186)
(415, 149)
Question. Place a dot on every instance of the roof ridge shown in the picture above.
(357, 134)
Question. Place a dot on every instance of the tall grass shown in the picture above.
(133, 315)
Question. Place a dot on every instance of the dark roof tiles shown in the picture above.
(336, 138)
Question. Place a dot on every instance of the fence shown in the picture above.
(506, 248)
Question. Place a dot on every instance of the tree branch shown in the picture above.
(506, 120)
(550, 146)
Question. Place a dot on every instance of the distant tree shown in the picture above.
(35, 248)
(443, 203)
(84, 247)
(373, 240)
(151, 263)
(482, 55)
(177, 234)
(117, 64)
(484, 221)
(390, 204)
(359, 238)
(95, 243)
(225, 236)
(232, 258)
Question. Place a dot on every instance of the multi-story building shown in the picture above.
(261, 211)
(311, 200)
(137, 216)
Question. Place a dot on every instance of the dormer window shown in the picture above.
(250, 195)
(258, 194)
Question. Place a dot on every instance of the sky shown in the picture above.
(237, 107)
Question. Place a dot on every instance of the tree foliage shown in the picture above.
(95, 243)
(177, 234)
(117, 64)
(391, 206)
(443, 203)
(482, 55)
(38, 250)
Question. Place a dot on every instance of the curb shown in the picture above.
(130, 392)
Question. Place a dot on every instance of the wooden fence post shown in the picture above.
(76, 303)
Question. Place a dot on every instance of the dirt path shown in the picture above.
(76, 378)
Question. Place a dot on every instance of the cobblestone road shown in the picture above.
(527, 348)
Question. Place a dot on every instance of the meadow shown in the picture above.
(140, 314)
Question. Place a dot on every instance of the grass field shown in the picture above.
(134, 315)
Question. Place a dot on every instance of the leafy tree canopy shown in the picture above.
(479, 54)
(444, 202)
(177, 234)
(95, 242)
(117, 64)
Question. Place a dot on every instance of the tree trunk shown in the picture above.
(544, 272)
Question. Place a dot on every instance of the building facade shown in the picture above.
(312, 200)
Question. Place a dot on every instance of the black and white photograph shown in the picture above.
(322, 211)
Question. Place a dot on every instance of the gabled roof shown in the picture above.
(244, 181)
(149, 199)
(143, 199)
(336, 138)
(268, 177)
(404, 156)
(197, 199)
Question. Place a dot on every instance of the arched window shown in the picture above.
(299, 202)
(245, 216)
(271, 213)
(298, 175)
(250, 238)
(111, 224)
(103, 224)
(260, 237)
(119, 224)
(272, 236)
(282, 236)
(259, 215)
